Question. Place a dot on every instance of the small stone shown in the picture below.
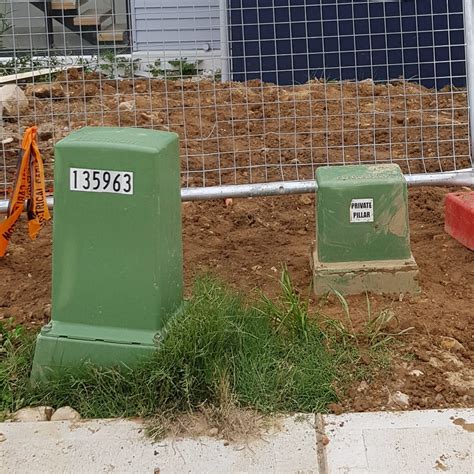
(47, 310)
(400, 399)
(141, 87)
(90, 91)
(43, 91)
(213, 432)
(439, 398)
(438, 388)
(434, 362)
(65, 414)
(450, 358)
(2, 438)
(48, 411)
(461, 391)
(325, 440)
(416, 373)
(335, 408)
(32, 414)
(46, 131)
(363, 386)
(306, 200)
(228, 202)
(451, 344)
(128, 106)
(13, 100)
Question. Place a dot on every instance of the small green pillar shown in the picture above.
(362, 231)
(117, 247)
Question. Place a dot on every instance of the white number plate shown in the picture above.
(101, 181)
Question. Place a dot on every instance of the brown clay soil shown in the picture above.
(246, 242)
(251, 132)
(240, 133)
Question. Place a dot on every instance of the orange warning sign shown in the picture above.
(30, 187)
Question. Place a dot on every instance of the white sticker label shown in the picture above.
(101, 181)
(362, 210)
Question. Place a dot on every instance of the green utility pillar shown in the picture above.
(362, 237)
(117, 247)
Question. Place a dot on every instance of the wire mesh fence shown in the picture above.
(258, 90)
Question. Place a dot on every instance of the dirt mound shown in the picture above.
(251, 132)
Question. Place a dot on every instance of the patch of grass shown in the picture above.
(221, 355)
(16, 354)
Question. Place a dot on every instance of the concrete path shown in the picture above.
(424, 441)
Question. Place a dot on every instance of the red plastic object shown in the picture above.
(459, 217)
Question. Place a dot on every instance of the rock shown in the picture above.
(128, 106)
(450, 358)
(416, 373)
(228, 202)
(141, 87)
(43, 91)
(46, 131)
(439, 398)
(306, 200)
(363, 386)
(2, 437)
(13, 100)
(33, 414)
(90, 90)
(65, 414)
(401, 399)
(461, 391)
(451, 344)
(47, 310)
(213, 432)
(463, 378)
(145, 117)
(335, 408)
(436, 363)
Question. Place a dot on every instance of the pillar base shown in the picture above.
(379, 277)
(54, 355)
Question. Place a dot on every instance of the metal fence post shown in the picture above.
(469, 38)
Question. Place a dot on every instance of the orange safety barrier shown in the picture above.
(30, 187)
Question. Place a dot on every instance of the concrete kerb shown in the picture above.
(389, 442)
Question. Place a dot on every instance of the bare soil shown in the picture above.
(254, 132)
(251, 132)
(246, 242)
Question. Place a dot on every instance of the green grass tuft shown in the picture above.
(273, 356)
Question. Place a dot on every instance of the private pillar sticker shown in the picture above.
(362, 210)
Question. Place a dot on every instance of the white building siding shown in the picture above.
(175, 25)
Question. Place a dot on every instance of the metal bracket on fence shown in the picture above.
(279, 188)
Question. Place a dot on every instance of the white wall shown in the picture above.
(176, 25)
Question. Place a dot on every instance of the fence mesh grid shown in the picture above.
(258, 90)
